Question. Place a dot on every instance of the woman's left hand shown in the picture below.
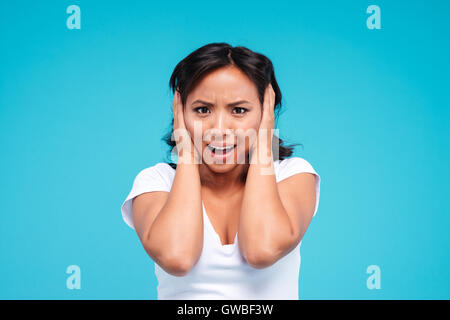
(268, 117)
(265, 131)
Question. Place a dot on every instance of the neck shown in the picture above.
(227, 182)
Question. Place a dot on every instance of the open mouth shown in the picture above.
(221, 150)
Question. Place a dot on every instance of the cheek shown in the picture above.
(189, 126)
(189, 122)
(192, 125)
(255, 119)
(252, 123)
(248, 135)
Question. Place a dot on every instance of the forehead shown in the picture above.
(228, 83)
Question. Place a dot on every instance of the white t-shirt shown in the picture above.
(222, 272)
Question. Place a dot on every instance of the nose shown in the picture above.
(221, 126)
(221, 122)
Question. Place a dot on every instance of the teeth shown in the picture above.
(220, 148)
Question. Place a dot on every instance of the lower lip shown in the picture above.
(221, 156)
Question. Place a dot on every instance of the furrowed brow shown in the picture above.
(232, 104)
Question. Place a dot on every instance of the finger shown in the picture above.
(174, 111)
(272, 98)
(180, 112)
(266, 100)
(269, 116)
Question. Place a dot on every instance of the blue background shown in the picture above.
(83, 111)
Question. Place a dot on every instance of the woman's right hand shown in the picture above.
(187, 153)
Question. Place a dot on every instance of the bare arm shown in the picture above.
(265, 230)
(170, 225)
(274, 217)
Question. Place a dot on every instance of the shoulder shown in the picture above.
(162, 168)
(290, 166)
(158, 177)
(161, 172)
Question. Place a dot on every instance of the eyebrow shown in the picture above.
(232, 104)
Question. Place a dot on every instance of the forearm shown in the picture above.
(178, 227)
(264, 226)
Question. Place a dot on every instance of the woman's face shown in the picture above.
(224, 111)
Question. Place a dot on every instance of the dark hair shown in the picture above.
(213, 56)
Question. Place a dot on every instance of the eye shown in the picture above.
(242, 110)
(203, 110)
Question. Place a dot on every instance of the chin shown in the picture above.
(221, 168)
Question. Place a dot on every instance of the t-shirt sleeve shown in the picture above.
(294, 165)
(154, 178)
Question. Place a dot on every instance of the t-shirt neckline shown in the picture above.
(226, 247)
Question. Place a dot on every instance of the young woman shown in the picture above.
(226, 221)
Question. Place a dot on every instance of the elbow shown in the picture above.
(177, 266)
(259, 259)
(174, 264)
